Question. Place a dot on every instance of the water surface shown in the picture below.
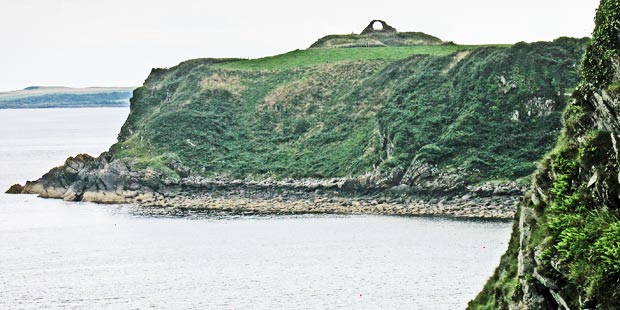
(55, 254)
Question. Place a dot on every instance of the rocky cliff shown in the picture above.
(435, 124)
(565, 248)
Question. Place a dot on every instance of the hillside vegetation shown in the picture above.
(483, 113)
(565, 248)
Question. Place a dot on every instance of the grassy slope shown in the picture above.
(338, 112)
(312, 57)
(574, 219)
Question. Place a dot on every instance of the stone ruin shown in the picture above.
(371, 27)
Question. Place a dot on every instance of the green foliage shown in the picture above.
(595, 147)
(139, 154)
(572, 220)
(608, 248)
(576, 121)
(583, 237)
(614, 88)
(464, 118)
(598, 67)
(580, 230)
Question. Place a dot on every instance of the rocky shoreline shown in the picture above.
(329, 197)
(237, 203)
(102, 180)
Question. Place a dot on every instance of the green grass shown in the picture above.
(311, 57)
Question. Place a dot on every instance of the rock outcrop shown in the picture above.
(85, 178)
(373, 36)
(565, 248)
(106, 180)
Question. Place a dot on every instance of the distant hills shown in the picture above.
(65, 97)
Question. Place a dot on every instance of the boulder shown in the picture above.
(15, 189)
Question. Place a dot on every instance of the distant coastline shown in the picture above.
(38, 97)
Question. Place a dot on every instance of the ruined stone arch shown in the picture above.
(385, 27)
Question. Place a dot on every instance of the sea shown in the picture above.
(68, 255)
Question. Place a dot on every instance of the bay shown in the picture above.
(56, 254)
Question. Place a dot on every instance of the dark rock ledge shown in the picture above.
(409, 193)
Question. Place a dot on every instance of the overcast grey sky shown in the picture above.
(116, 42)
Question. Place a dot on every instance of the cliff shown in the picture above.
(565, 248)
(440, 123)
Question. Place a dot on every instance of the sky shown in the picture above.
(82, 43)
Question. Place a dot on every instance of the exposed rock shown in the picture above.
(85, 178)
(401, 189)
(385, 35)
(15, 189)
(107, 180)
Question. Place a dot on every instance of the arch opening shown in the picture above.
(377, 25)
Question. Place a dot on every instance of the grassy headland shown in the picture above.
(482, 112)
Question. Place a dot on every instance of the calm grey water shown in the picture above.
(55, 254)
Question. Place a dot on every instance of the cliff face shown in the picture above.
(435, 120)
(565, 248)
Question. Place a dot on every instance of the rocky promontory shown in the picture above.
(102, 180)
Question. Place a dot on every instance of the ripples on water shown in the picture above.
(55, 254)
